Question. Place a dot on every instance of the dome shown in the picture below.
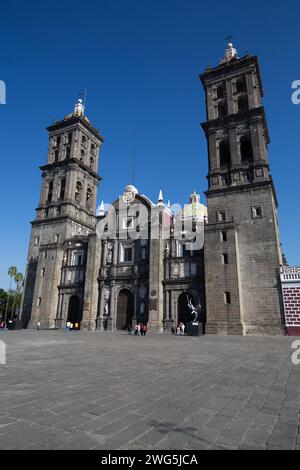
(194, 210)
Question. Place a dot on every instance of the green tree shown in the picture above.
(3, 303)
(19, 279)
(12, 272)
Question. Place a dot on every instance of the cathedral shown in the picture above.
(141, 261)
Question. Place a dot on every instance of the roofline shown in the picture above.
(226, 67)
(66, 122)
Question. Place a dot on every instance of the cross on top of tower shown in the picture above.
(229, 38)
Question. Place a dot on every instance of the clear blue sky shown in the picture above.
(140, 61)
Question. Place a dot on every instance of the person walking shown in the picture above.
(76, 326)
(129, 329)
(182, 329)
(38, 326)
(139, 329)
(145, 329)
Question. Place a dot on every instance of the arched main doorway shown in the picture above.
(74, 311)
(184, 313)
(124, 309)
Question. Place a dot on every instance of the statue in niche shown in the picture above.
(167, 250)
(142, 292)
(110, 253)
(106, 293)
(144, 253)
(142, 307)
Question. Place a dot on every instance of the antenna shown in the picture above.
(133, 156)
(85, 97)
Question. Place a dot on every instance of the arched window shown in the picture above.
(92, 161)
(56, 155)
(246, 149)
(243, 104)
(241, 85)
(225, 154)
(221, 91)
(82, 155)
(50, 192)
(84, 141)
(78, 191)
(222, 109)
(89, 195)
(93, 149)
(68, 151)
(62, 189)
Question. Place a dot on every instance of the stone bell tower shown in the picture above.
(242, 247)
(67, 208)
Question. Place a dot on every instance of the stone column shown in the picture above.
(250, 89)
(105, 253)
(100, 317)
(169, 323)
(91, 284)
(214, 164)
(235, 160)
(229, 97)
(135, 300)
(255, 142)
(111, 320)
(262, 141)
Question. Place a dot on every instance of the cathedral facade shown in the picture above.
(139, 261)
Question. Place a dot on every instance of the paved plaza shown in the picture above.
(112, 391)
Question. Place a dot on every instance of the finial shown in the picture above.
(231, 52)
(101, 212)
(160, 201)
(79, 107)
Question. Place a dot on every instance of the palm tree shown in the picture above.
(18, 278)
(12, 272)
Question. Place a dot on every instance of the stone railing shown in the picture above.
(290, 274)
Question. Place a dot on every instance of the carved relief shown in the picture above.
(242, 129)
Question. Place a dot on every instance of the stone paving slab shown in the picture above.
(113, 391)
